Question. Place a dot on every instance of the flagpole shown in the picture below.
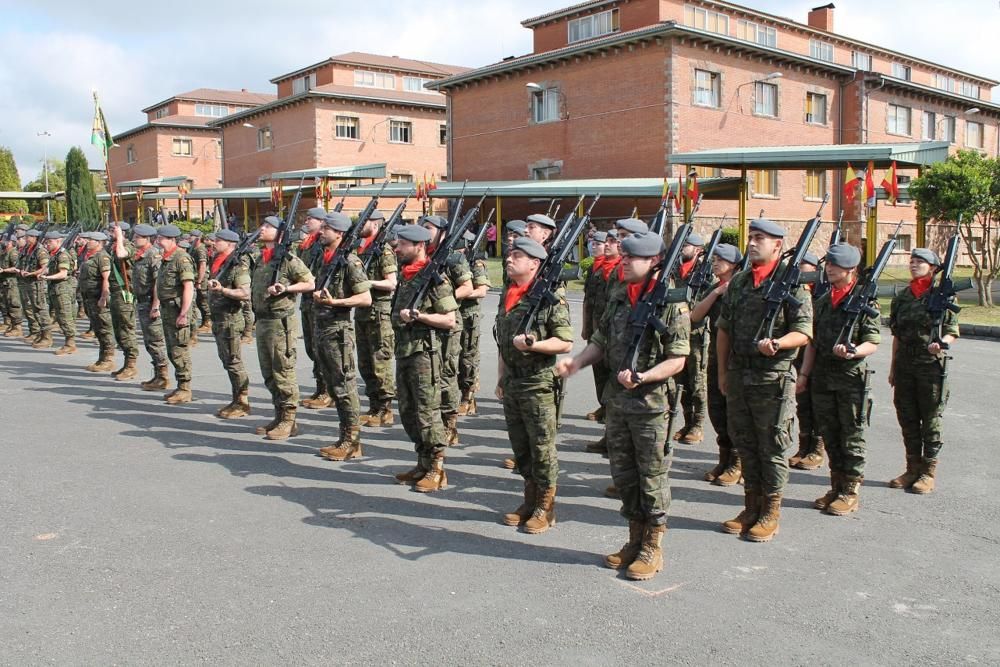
(107, 168)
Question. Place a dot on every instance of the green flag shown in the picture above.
(100, 135)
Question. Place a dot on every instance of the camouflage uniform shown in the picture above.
(91, 269)
(62, 294)
(175, 270)
(36, 288)
(471, 315)
(122, 303)
(636, 433)
(595, 299)
(200, 308)
(717, 412)
(144, 270)
(694, 377)
(226, 315)
(375, 337)
(9, 288)
(24, 292)
(458, 272)
(278, 329)
(310, 251)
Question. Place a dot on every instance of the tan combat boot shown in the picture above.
(847, 500)
(69, 347)
(624, 556)
(467, 406)
(384, 417)
(239, 407)
(748, 517)
(159, 382)
(911, 475)
(693, 436)
(16, 331)
(509, 464)
(206, 327)
(366, 419)
(349, 446)
(612, 492)
(434, 479)
(599, 447)
(720, 467)
(286, 428)
(262, 430)
(649, 561)
(88, 334)
(925, 483)
(733, 474)
(767, 524)
(318, 401)
(450, 428)
(805, 446)
(597, 415)
(128, 371)
(824, 501)
(44, 341)
(180, 395)
(525, 509)
(412, 475)
(814, 459)
(104, 363)
(544, 515)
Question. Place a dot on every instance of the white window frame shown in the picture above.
(816, 117)
(589, 27)
(181, 142)
(762, 91)
(713, 91)
(928, 125)
(821, 50)
(979, 131)
(265, 139)
(546, 173)
(443, 134)
(302, 84)
(945, 83)
(130, 154)
(400, 178)
(161, 112)
(901, 71)
(865, 58)
(364, 78)
(749, 31)
(400, 132)
(949, 129)
(545, 105)
(415, 84)
(210, 110)
(349, 122)
(892, 120)
(706, 19)
(970, 89)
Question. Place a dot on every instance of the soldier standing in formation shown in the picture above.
(635, 403)
(919, 373)
(812, 449)
(594, 300)
(36, 263)
(172, 303)
(95, 277)
(9, 288)
(526, 385)
(122, 302)
(61, 295)
(200, 256)
(418, 359)
(373, 325)
(470, 313)
(693, 378)
(228, 288)
(310, 250)
(145, 266)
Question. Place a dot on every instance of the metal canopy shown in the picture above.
(375, 170)
(34, 196)
(165, 182)
(215, 193)
(837, 156)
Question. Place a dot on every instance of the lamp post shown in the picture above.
(45, 171)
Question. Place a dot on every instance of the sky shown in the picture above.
(54, 52)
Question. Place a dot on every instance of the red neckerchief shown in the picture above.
(634, 290)
(309, 240)
(760, 273)
(365, 243)
(513, 295)
(413, 268)
(919, 286)
(837, 294)
(87, 254)
(218, 262)
(687, 267)
(609, 266)
(168, 253)
(328, 254)
(139, 252)
(266, 254)
(597, 266)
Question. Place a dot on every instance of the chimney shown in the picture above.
(821, 18)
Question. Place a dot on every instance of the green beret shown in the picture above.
(338, 222)
(542, 219)
(414, 233)
(729, 253)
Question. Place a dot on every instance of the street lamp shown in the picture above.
(45, 171)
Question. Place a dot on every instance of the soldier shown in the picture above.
(811, 446)
(513, 230)
(469, 312)
(526, 385)
(228, 288)
(35, 264)
(199, 255)
(373, 325)
(310, 251)
(62, 296)
(594, 300)
(540, 228)
(638, 446)
(460, 275)
(122, 302)
(274, 288)
(95, 276)
(11, 293)
(334, 334)
(919, 373)
(418, 359)
(725, 261)
(693, 378)
(172, 300)
(145, 266)
(839, 381)
(758, 380)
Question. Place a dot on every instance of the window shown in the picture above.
(213, 110)
(400, 178)
(218, 149)
(928, 126)
(594, 25)
(181, 148)
(302, 84)
(759, 34)
(898, 120)
(698, 17)
(415, 84)
(161, 112)
(264, 139)
(815, 184)
(948, 129)
(901, 71)
(130, 154)
(708, 172)
(545, 173)
(545, 105)
(706, 88)
(904, 243)
(400, 132)
(973, 134)
(347, 127)
(945, 83)
(970, 89)
(443, 134)
(861, 61)
(821, 50)
(367, 79)
(765, 102)
(239, 109)
(765, 182)
(816, 108)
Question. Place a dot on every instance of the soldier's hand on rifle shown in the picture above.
(934, 348)
(768, 347)
(323, 296)
(628, 380)
(522, 344)
(842, 352)
(566, 366)
(408, 315)
(214, 285)
(277, 290)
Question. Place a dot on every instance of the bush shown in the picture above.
(731, 235)
(585, 264)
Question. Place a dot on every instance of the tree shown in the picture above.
(81, 202)
(57, 183)
(966, 187)
(10, 181)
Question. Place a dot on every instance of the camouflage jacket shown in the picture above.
(291, 272)
(417, 337)
(480, 276)
(827, 324)
(378, 269)
(553, 321)
(175, 270)
(352, 280)
(90, 273)
(144, 270)
(910, 323)
(236, 277)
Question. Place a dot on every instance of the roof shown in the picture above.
(905, 155)
(32, 195)
(376, 170)
(165, 182)
(384, 62)
(182, 122)
(240, 97)
(566, 11)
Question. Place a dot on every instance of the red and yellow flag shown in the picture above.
(870, 185)
(850, 184)
(890, 183)
(692, 189)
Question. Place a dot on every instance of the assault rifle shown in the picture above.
(822, 284)
(458, 207)
(9, 233)
(340, 205)
(350, 241)
(656, 295)
(28, 249)
(542, 289)
(66, 245)
(377, 246)
(473, 248)
(244, 248)
(864, 296)
(283, 243)
(942, 297)
(659, 221)
(779, 292)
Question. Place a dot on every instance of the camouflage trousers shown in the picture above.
(529, 409)
(12, 301)
(178, 339)
(334, 341)
(920, 395)
(760, 423)
(694, 379)
(227, 329)
(309, 342)
(201, 301)
(804, 411)
(248, 320)
(63, 301)
(100, 323)
(152, 335)
(123, 321)
(376, 342)
(640, 456)
(839, 418)
(38, 305)
(717, 411)
(601, 376)
(276, 342)
(468, 359)
(418, 386)
(451, 349)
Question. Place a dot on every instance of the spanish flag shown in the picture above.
(870, 185)
(851, 182)
(890, 183)
(692, 189)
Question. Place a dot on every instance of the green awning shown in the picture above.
(33, 196)
(837, 156)
(165, 182)
(375, 170)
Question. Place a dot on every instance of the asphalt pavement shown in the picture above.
(137, 533)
